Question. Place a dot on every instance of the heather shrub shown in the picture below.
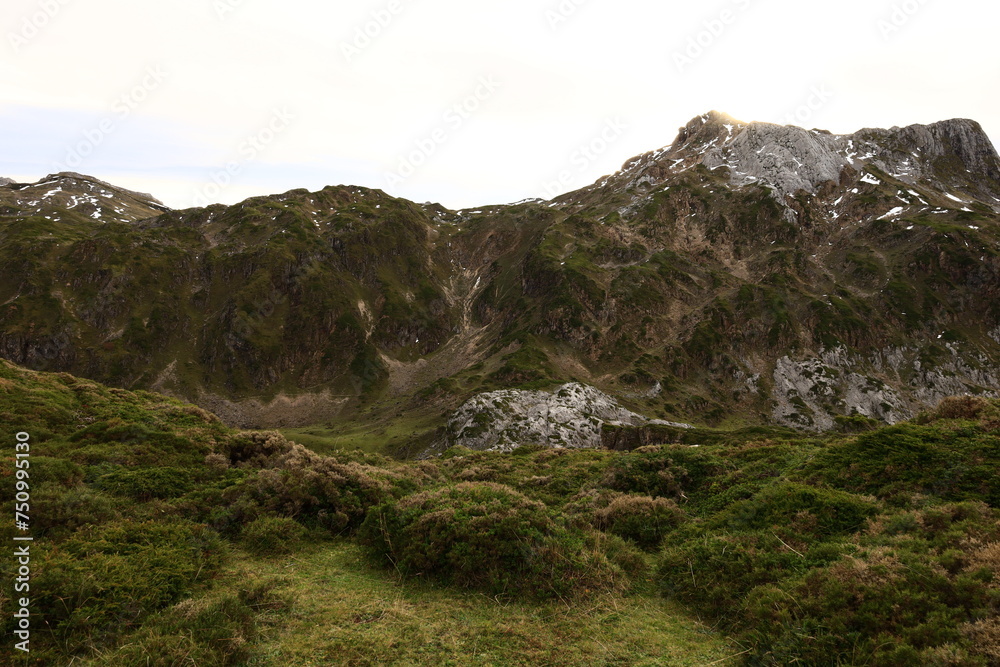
(122, 442)
(57, 510)
(670, 471)
(487, 536)
(642, 519)
(961, 407)
(273, 535)
(897, 462)
(145, 484)
(297, 483)
(914, 588)
(211, 630)
(713, 572)
(254, 449)
(60, 471)
(99, 583)
(582, 507)
(806, 511)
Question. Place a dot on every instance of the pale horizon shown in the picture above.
(440, 101)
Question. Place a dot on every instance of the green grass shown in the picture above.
(407, 433)
(164, 537)
(348, 612)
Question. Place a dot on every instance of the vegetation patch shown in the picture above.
(488, 536)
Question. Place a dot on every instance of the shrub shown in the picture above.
(642, 519)
(313, 489)
(102, 583)
(855, 423)
(488, 536)
(961, 407)
(57, 510)
(918, 589)
(273, 535)
(714, 572)
(217, 630)
(48, 469)
(254, 449)
(303, 485)
(669, 471)
(808, 511)
(899, 461)
(147, 483)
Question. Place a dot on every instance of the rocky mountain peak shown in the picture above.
(73, 178)
(706, 129)
(69, 196)
(953, 157)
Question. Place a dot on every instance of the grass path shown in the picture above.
(350, 613)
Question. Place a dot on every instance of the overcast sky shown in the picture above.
(464, 103)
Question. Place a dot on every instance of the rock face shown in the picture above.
(809, 393)
(570, 417)
(791, 159)
(5, 181)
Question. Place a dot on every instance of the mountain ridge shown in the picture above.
(829, 275)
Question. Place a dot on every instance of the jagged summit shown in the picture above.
(952, 160)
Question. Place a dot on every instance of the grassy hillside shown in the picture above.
(165, 538)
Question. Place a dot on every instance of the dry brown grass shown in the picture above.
(985, 636)
(961, 407)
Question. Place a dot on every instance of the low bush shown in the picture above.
(961, 407)
(212, 630)
(807, 512)
(145, 484)
(314, 489)
(100, 584)
(951, 462)
(915, 592)
(714, 572)
(641, 519)
(273, 535)
(487, 536)
(671, 471)
(58, 511)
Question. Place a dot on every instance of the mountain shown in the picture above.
(72, 197)
(748, 273)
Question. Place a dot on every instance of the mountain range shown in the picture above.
(748, 273)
